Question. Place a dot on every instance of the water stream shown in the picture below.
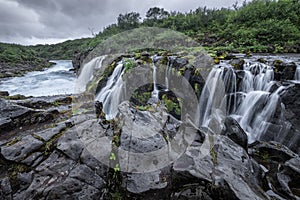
(55, 80)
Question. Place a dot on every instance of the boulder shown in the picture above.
(237, 63)
(283, 70)
(234, 131)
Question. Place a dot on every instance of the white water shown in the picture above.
(251, 104)
(52, 81)
(111, 94)
(86, 74)
(155, 90)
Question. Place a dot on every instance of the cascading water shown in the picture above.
(111, 94)
(250, 102)
(86, 74)
(155, 91)
(168, 71)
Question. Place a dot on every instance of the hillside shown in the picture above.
(259, 26)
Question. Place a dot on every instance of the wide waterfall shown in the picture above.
(249, 95)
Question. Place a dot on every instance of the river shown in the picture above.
(55, 80)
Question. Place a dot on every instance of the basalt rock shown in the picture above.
(291, 100)
(237, 63)
(281, 168)
(284, 71)
(234, 131)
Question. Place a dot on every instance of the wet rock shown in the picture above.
(237, 63)
(291, 100)
(284, 71)
(20, 149)
(73, 189)
(282, 167)
(25, 179)
(140, 135)
(70, 144)
(78, 59)
(55, 165)
(33, 159)
(179, 63)
(49, 133)
(97, 166)
(5, 189)
(222, 162)
(262, 60)
(144, 184)
(45, 102)
(234, 131)
(11, 115)
(88, 176)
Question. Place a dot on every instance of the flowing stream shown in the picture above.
(55, 80)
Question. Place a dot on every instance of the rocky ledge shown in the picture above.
(65, 152)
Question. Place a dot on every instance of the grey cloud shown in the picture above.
(74, 18)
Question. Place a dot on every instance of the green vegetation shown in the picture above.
(257, 26)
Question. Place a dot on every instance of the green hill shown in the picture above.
(258, 26)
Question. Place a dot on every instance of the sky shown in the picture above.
(30, 22)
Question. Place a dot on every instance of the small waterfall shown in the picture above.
(155, 90)
(86, 74)
(168, 71)
(111, 94)
(258, 76)
(221, 81)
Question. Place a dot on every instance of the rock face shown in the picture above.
(284, 71)
(291, 100)
(150, 157)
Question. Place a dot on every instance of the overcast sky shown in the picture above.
(52, 21)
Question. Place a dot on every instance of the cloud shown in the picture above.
(54, 20)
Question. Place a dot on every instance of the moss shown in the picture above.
(128, 64)
(173, 105)
(14, 141)
(214, 156)
(49, 145)
(197, 89)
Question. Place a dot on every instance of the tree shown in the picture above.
(157, 13)
(154, 15)
(128, 20)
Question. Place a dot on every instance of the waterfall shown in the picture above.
(221, 81)
(86, 74)
(155, 90)
(168, 71)
(258, 76)
(251, 103)
(111, 94)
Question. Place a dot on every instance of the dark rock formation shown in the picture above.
(234, 131)
(291, 100)
(284, 71)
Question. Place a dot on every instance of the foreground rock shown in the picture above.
(143, 155)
